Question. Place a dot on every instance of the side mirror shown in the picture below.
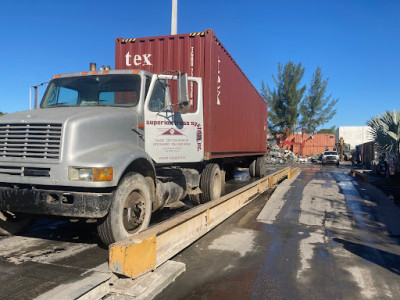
(183, 95)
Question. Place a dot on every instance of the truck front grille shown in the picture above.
(25, 171)
(37, 141)
(11, 170)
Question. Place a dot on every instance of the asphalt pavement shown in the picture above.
(321, 235)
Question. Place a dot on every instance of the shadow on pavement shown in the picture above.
(387, 260)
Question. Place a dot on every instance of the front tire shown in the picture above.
(130, 211)
(11, 223)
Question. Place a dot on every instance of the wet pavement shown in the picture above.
(51, 254)
(322, 235)
(55, 255)
(319, 235)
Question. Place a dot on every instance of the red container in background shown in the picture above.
(316, 145)
(235, 115)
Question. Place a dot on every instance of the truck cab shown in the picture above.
(93, 148)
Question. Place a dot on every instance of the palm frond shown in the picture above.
(385, 130)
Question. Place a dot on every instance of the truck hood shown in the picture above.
(85, 130)
(60, 114)
(55, 139)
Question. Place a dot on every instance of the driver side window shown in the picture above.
(63, 96)
(157, 100)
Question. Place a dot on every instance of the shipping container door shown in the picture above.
(171, 137)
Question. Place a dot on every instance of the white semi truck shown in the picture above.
(115, 146)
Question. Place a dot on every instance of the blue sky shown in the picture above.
(356, 43)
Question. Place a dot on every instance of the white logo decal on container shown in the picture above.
(138, 60)
(218, 84)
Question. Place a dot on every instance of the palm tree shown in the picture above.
(385, 130)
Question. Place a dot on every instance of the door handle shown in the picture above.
(141, 135)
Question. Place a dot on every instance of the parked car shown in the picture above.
(330, 157)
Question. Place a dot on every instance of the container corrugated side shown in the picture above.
(316, 145)
(235, 115)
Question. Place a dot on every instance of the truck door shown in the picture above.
(172, 137)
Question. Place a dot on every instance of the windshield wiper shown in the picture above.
(58, 104)
(98, 102)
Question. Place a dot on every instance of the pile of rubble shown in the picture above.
(277, 155)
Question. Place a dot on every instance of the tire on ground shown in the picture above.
(260, 167)
(11, 224)
(210, 185)
(130, 210)
(252, 169)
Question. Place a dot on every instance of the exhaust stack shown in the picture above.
(92, 67)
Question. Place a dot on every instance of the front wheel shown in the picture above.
(14, 223)
(130, 211)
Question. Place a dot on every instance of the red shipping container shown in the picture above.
(316, 145)
(235, 115)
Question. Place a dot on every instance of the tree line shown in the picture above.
(290, 107)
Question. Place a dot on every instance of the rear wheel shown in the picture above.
(252, 169)
(210, 185)
(14, 223)
(130, 211)
(260, 167)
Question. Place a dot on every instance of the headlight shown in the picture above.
(90, 174)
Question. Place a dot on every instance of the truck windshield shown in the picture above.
(108, 90)
(330, 153)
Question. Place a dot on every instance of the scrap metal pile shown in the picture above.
(277, 155)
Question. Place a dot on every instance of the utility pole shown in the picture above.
(174, 17)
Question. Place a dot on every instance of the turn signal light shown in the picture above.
(103, 174)
(90, 174)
